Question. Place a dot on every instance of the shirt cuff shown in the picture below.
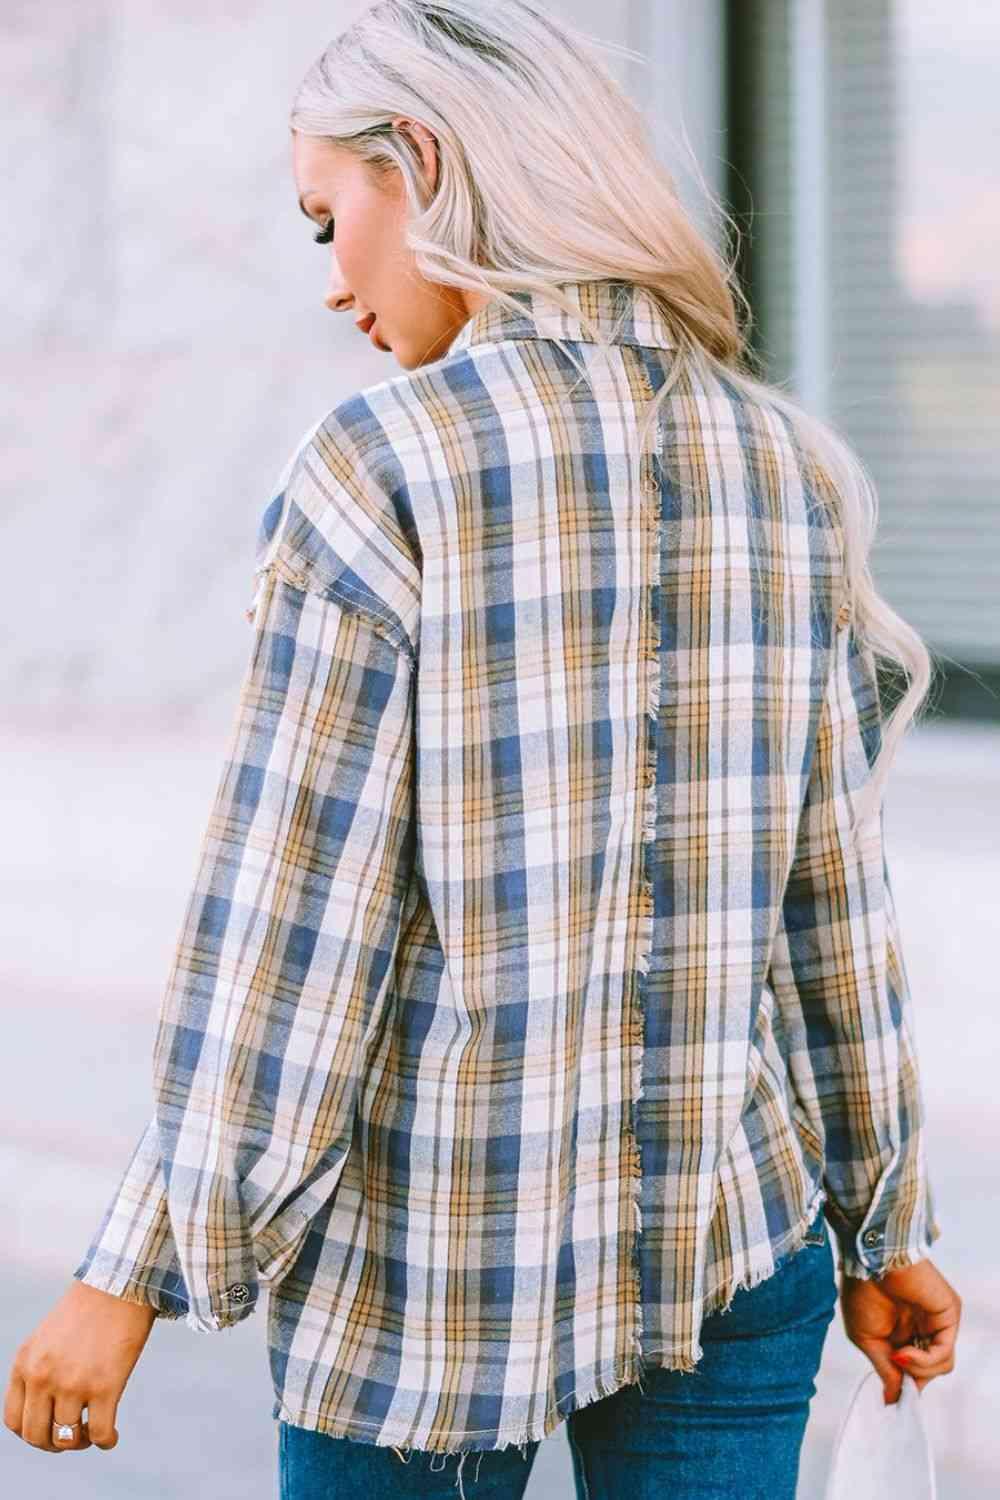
(225, 1307)
(165, 1304)
(866, 1256)
(230, 1304)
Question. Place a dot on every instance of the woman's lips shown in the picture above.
(376, 340)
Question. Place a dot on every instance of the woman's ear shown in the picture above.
(425, 142)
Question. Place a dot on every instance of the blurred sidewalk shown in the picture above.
(102, 841)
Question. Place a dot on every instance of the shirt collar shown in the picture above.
(604, 301)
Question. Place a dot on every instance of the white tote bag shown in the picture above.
(882, 1450)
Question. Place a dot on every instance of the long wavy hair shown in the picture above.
(526, 198)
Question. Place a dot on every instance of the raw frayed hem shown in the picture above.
(633, 1371)
(478, 1444)
(218, 1322)
(721, 1300)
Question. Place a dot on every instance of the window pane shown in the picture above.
(869, 133)
(915, 300)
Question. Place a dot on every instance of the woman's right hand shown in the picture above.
(882, 1316)
(80, 1355)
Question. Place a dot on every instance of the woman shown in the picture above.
(539, 1010)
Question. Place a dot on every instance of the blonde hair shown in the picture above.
(526, 198)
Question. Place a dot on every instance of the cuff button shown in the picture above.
(238, 1292)
(872, 1237)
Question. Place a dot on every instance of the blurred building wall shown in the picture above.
(164, 332)
(165, 343)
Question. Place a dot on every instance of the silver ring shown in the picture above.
(64, 1429)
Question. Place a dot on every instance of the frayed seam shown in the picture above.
(335, 591)
(647, 760)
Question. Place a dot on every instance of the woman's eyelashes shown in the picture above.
(325, 235)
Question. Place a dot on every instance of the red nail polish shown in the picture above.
(902, 1358)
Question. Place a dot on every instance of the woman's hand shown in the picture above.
(882, 1318)
(81, 1354)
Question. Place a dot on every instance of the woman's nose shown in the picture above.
(338, 296)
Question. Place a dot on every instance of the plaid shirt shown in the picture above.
(532, 996)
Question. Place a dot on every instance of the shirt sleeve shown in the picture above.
(838, 976)
(132, 1253)
(282, 975)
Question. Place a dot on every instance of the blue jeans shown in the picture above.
(733, 1427)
